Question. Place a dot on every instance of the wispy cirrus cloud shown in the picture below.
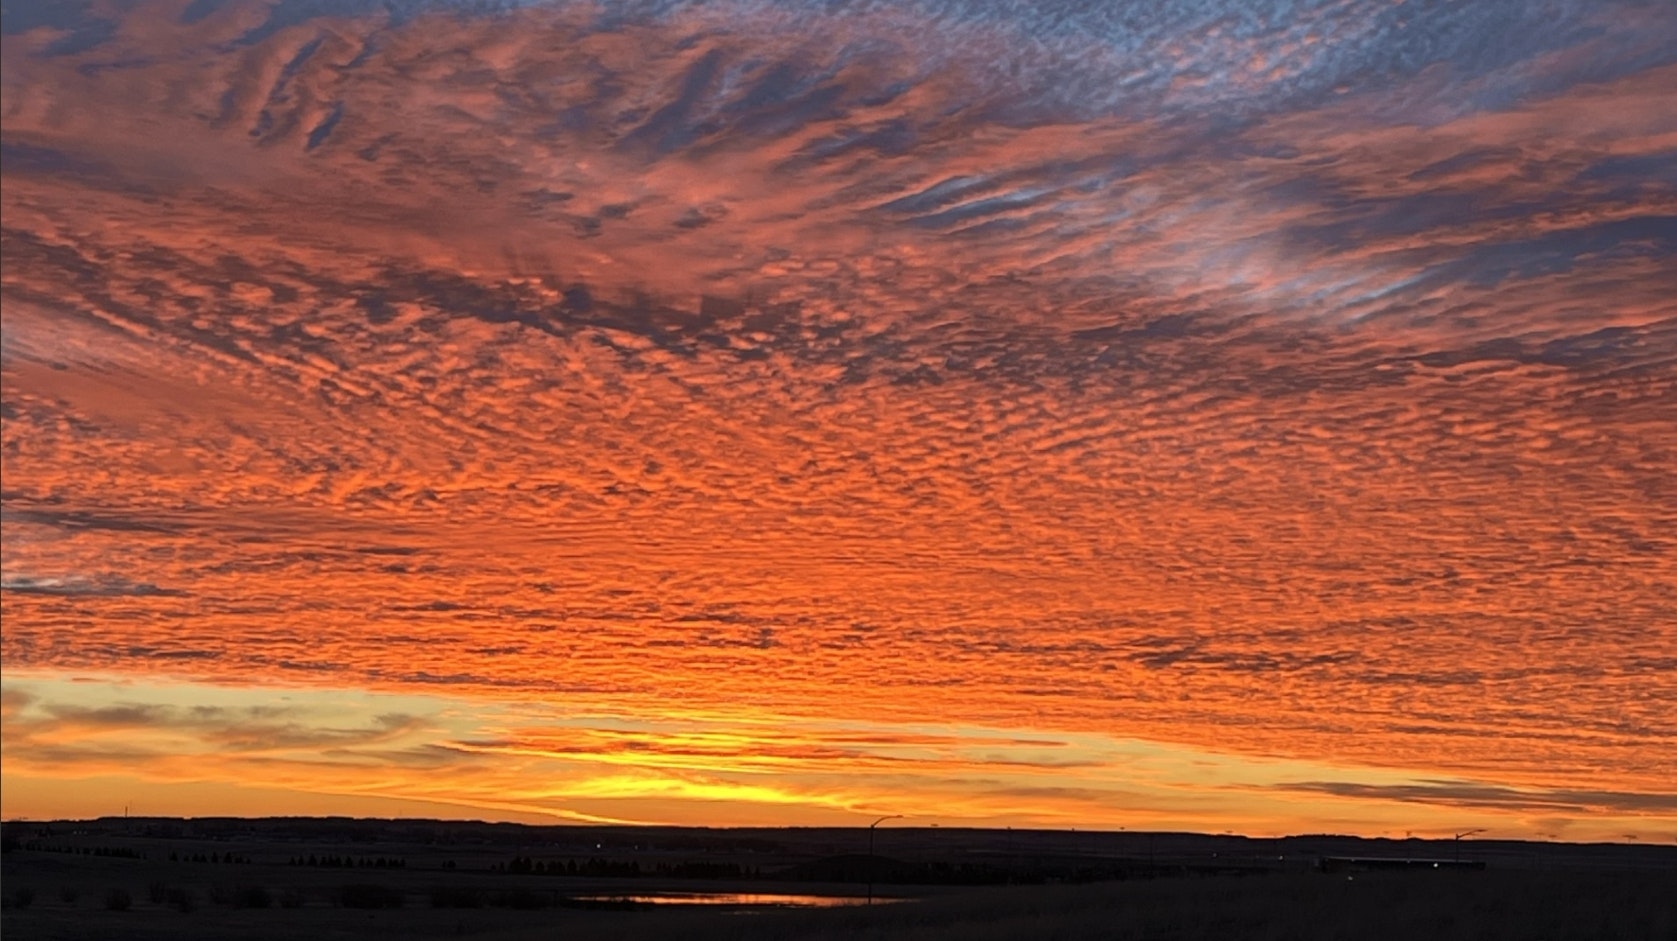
(104, 586)
(1470, 795)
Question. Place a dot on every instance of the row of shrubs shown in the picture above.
(595, 867)
(111, 852)
(218, 858)
(524, 865)
(349, 862)
(359, 895)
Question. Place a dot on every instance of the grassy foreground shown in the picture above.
(1405, 906)
(1553, 906)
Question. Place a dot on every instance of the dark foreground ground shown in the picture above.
(247, 881)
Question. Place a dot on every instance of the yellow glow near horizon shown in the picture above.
(75, 743)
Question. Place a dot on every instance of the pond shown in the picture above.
(736, 899)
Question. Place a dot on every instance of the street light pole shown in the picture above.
(1459, 841)
(872, 862)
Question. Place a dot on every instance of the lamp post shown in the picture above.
(872, 862)
(1459, 841)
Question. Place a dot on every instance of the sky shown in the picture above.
(1249, 416)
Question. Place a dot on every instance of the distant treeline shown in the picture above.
(524, 865)
(349, 831)
(218, 858)
(863, 868)
(112, 852)
(349, 862)
(595, 867)
(860, 868)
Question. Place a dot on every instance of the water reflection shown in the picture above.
(755, 899)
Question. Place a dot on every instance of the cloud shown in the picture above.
(102, 586)
(248, 729)
(768, 753)
(1291, 378)
(1482, 796)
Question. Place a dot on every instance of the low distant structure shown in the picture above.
(1386, 863)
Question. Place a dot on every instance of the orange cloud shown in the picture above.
(714, 366)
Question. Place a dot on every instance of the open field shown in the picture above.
(109, 881)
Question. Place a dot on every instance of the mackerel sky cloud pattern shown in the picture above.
(797, 403)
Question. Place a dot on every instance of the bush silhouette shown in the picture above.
(118, 900)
